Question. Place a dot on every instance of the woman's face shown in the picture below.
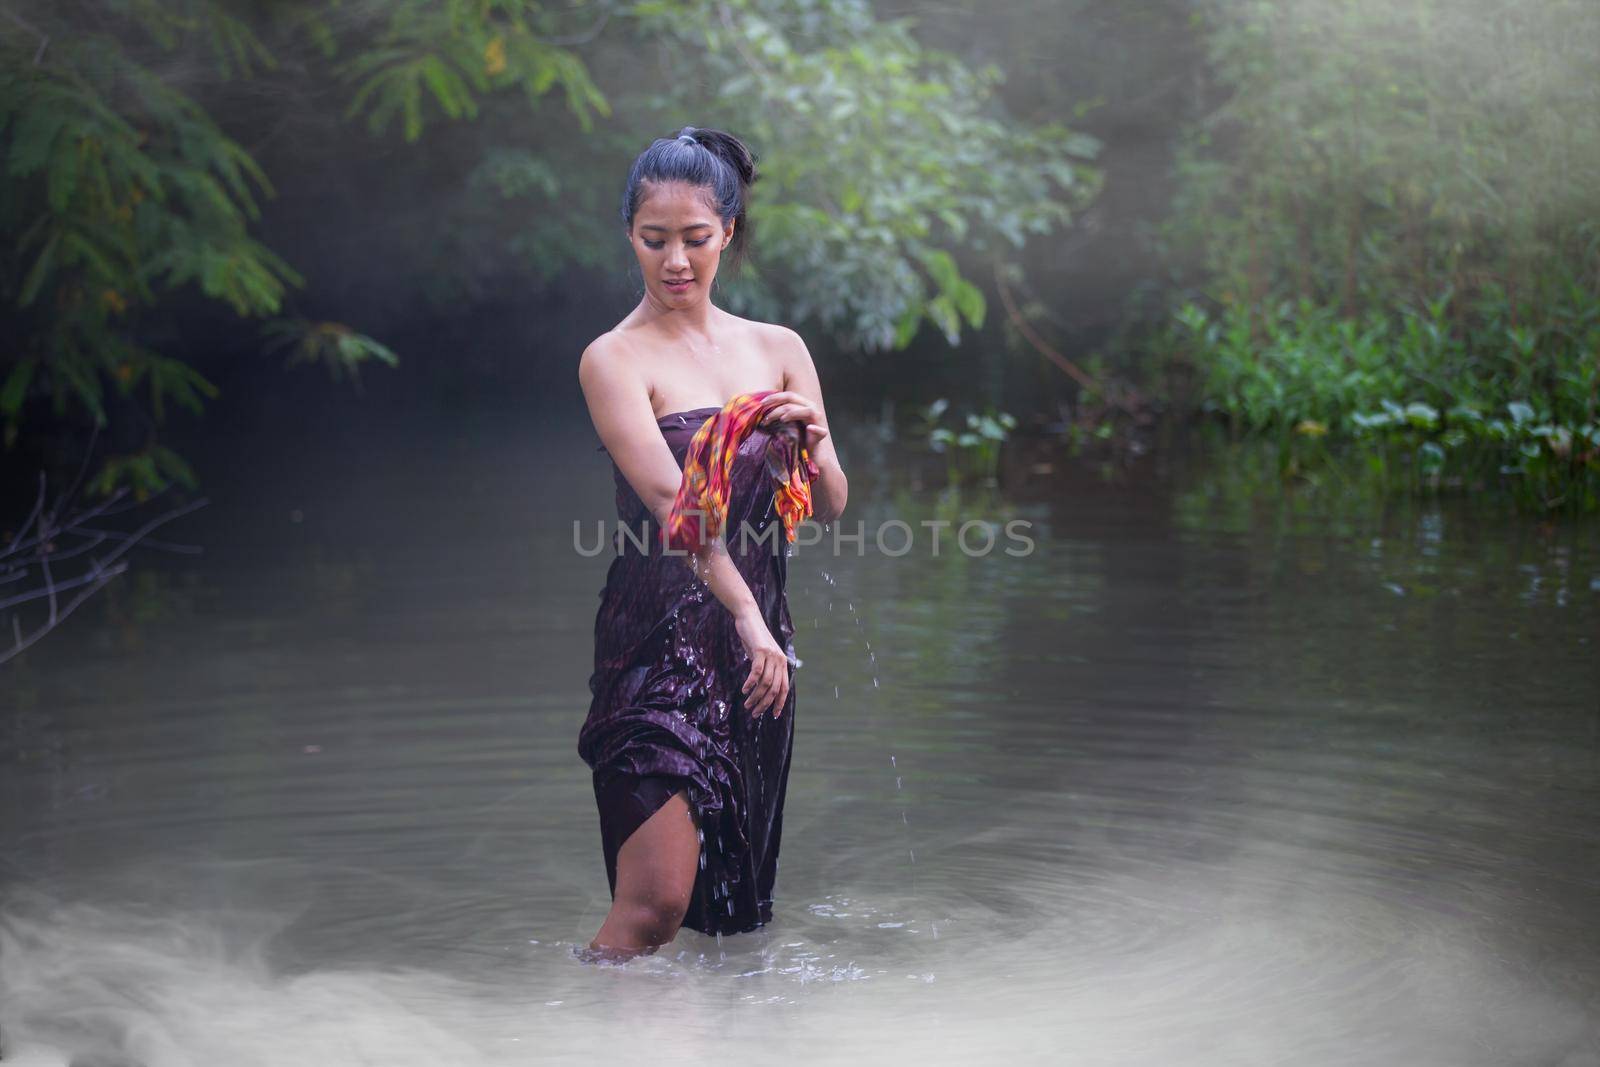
(679, 242)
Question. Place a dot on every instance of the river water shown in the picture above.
(1200, 778)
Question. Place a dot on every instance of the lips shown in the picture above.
(683, 284)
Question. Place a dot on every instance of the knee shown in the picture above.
(658, 915)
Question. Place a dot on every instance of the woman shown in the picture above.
(690, 727)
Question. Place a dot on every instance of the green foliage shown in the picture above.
(882, 159)
(1369, 154)
(117, 188)
(146, 472)
(454, 52)
(120, 189)
(333, 344)
(1461, 411)
(972, 454)
(885, 163)
(1367, 158)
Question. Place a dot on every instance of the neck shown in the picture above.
(693, 320)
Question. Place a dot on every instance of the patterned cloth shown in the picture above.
(701, 509)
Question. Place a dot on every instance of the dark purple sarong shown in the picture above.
(667, 712)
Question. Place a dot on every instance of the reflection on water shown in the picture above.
(1203, 779)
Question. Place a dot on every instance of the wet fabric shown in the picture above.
(666, 711)
(700, 511)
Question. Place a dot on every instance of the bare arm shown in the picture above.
(619, 406)
(831, 489)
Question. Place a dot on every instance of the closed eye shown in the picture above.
(658, 244)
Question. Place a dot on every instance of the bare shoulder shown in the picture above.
(608, 345)
(607, 364)
(611, 351)
(783, 348)
(776, 337)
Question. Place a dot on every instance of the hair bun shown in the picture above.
(727, 169)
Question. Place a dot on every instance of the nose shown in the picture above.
(677, 255)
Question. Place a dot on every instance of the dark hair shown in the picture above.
(700, 157)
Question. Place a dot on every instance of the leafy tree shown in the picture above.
(1391, 211)
(127, 183)
(1368, 154)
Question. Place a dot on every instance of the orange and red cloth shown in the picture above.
(701, 509)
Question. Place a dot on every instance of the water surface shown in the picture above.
(1202, 779)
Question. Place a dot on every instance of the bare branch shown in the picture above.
(34, 548)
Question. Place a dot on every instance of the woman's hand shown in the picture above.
(787, 406)
(768, 683)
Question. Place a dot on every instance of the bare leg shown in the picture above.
(656, 867)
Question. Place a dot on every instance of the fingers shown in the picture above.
(767, 686)
(800, 413)
(781, 697)
(756, 685)
(761, 695)
(786, 405)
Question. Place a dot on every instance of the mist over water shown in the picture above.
(1175, 788)
(1203, 779)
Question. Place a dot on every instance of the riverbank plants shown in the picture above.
(1384, 238)
(972, 448)
(1502, 406)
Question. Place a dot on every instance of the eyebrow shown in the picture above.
(691, 226)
